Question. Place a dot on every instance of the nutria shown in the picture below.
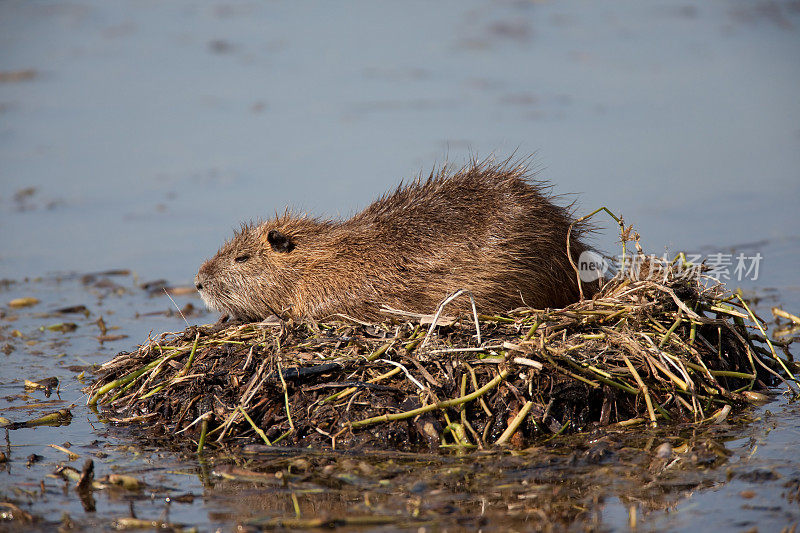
(487, 228)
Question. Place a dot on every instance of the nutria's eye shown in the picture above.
(242, 258)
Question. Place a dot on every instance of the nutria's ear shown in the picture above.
(280, 242)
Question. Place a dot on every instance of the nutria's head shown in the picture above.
(250, 276)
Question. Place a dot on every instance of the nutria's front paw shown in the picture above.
(222, 322)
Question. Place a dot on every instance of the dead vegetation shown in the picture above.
(661, 341)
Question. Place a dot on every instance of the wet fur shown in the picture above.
(486, 228)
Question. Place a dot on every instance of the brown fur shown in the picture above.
(485, 228)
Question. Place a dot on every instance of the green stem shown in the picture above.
(432, 407)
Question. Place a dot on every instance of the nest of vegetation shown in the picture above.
(660, 341)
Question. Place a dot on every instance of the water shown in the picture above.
(149, 130)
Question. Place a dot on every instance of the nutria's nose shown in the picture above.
(199, 286)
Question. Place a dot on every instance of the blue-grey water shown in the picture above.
(137, 135)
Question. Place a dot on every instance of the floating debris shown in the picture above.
(155, 287)
(56, 418)
(72, 456)
(76, 309)
(12, 76)
(10, 512)
(46, 384)
(93, 276)
(23, 302)
(63, 327)
(791, 329)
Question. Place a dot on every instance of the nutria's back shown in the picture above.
(485, 228)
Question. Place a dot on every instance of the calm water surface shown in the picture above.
(136, 135)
